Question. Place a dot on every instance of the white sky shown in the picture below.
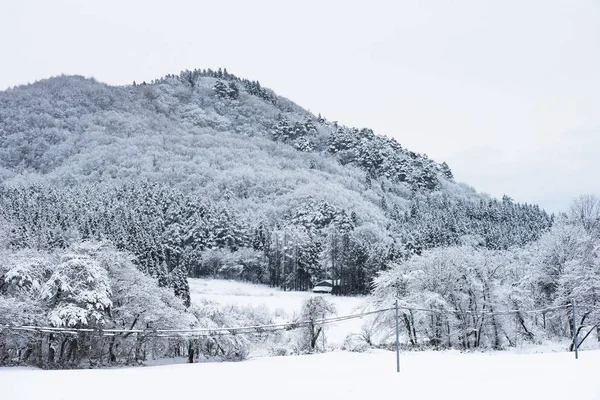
(507, 92)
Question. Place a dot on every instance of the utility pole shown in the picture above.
(283, 277)
(295, 273)
(516, 328)
(574, 329)
(397, 341)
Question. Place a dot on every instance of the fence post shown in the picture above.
(397, 341)
(574, 329)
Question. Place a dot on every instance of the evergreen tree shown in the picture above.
(221, 90)
(445, 170)
(233, 92)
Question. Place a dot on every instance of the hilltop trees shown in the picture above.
(224, 91)
(445, 170)
(382, 157)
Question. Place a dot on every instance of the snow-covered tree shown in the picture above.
(314, 311)
(78, 291)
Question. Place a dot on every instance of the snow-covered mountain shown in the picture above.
(205, 165)
(112, 197)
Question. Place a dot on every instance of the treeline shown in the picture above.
(93, 286)
(469, 289)
(440, 221)
(174, 235)
(191, 78)
(188, 175)
(88, 305)
(382, 157)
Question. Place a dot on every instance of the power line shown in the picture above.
(254, 329)
(470, 312)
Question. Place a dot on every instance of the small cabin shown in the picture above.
(327, 286)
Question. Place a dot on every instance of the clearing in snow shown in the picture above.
(283, 305)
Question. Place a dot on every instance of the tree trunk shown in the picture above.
(586, 335)
(527, 332)
(51, 349)
(409, 329)
(497, 343)
(313, 341)
(139, 351)
(414, 328)
(112, 358)
(72, 351)
(190, 352)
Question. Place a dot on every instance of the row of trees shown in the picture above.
(174, 235)
(192, 77)
(466, 285)
(380, 157)
(494, 224)
(94, 285)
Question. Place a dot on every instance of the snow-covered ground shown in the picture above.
(337, 375)
(278, 301)
(283, 305)
(424, 374)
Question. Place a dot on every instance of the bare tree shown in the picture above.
(315, 310)
(585, 210)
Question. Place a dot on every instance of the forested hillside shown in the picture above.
(204, 173)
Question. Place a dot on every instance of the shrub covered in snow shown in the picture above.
(355, 343)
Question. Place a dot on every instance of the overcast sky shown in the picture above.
(507, 92)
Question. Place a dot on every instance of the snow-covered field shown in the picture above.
(338, 375)
(276, 300)
(424, 374)
(283, 305)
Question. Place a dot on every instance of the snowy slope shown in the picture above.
(424, 375)
(283, 305)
